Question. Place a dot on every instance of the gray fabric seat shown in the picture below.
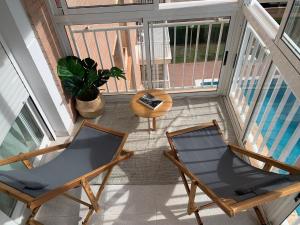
(207, 156)
(89, 150)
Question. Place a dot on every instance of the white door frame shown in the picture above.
(20, 211)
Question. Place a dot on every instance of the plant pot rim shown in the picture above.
(77, 99)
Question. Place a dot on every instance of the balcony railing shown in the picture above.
(181, 54)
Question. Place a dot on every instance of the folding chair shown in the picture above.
(201, 154)
(94, 150)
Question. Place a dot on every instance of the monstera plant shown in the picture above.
(82, 81)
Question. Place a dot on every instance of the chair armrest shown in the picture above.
(28, 155)
(265, 159)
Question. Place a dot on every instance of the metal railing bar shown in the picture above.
(204, 22)
(247, 75)
(99, 55)
(111, 59)
(268, 109)
(260, 100)
(244, 66)
(240, 61)
(191, 39)
(98, 50)
(275, 118)
(142, 55)
(147, 42)
(254, 76)
(206, 52)
(259, 61)
(174, 50)
(122, 56)
(217, 53)
(153, 53)
(284, 127)
(291, 143)
(184, 57)
(164, 55)
(85, 44)
(196, 53)
(134, 27)
(74, 41)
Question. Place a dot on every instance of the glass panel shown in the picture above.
(275, 9)
(274, 129)
(292, 32)
(91, 3)
(23, 136)
(275, 120)
(248, 73)
(294, 218)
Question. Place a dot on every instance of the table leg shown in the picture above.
(154, 123)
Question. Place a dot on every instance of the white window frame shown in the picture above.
(294, 57)
(107, 9)
(166, 11)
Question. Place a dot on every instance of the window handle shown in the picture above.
(225, 58)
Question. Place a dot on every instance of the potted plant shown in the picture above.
(82, 81)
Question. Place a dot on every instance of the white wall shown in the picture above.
(19, 37)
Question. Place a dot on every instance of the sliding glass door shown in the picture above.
(22, 128)
(23, 136)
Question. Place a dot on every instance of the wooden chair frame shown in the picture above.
(229, 206)
(34, 203)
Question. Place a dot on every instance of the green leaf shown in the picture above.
(102, 77)
(72, 86)
(92, 77)
(69, 66)
(117, 73)
(89, 64)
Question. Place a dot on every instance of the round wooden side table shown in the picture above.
(145, 112)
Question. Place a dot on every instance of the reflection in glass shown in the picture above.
(292, 32)
(24, 136)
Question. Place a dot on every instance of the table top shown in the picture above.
(143, 111)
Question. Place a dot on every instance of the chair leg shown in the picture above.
(94, 199)
(198, 218)
(88, 216)
(105, 179)
(87, 188)
(31, 220)
(260, 216)
(191, 205)
(186, 185)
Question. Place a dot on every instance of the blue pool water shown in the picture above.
(295, 153)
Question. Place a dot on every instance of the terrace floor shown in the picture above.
(147, 189)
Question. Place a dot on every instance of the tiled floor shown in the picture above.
(146, 189)
(139, 205)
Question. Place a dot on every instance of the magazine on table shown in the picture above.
(150, 101)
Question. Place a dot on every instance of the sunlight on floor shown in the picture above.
(139, 205)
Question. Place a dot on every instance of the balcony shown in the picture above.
(236, 62)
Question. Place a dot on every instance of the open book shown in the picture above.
(150, 101)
